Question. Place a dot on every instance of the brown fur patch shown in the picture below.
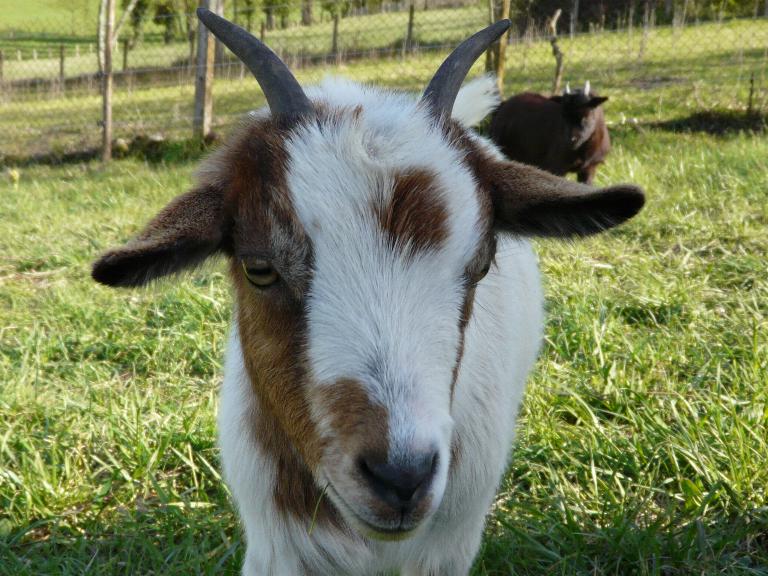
(415, 219)
(360, 425)
(271, 322)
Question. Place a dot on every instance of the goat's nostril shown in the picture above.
(399, 484)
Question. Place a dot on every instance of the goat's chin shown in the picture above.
(368, 528)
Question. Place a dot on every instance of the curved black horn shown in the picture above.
(284, 94)
(444, 86)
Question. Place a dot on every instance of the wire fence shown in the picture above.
(51, 89)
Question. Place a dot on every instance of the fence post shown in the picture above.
(61, 65)
(409, 36)
(502, 58)
(2, 61)
(574, 17)
(335, 38)
(206, 54)
(125, 55)
(491, 53)
(106, 83)
(263, 32)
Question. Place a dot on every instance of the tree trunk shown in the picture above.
(270, 18)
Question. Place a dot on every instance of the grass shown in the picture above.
(644, 434)
(700, 67)
(642, 442)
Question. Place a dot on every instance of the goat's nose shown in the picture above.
(401, 484)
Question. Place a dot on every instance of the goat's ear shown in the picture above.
(530, 202)
(596, 101)
(183, 234)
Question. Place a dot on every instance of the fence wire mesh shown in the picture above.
(50, 88)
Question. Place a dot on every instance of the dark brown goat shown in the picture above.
(559, 134)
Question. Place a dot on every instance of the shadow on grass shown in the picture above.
(151, 149)
(716, 123)
(543, 545)
(162, 539)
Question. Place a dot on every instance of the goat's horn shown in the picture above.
(586, 88)
(567, 87)
(441, 91)
(284, 94)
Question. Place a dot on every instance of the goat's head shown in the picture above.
(581, 108)
(357, 224)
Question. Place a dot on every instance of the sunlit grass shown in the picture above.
(643, 441)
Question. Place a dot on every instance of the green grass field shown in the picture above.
(700, 67)
(643, 440)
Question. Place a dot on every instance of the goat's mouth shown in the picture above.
(402, 531)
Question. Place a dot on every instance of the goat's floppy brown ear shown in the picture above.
(183, 234)
(530, 202)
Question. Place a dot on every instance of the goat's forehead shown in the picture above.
(368, 171)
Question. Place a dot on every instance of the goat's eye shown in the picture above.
(475, 277)
(260, 273)
(483, 272)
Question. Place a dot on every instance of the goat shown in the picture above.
(560, 134)
(388, 309)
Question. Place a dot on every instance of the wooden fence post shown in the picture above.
(106, 83)
(574, 18)
(125, 55)
(206, 55)
(61, 65)
(409, 36)
(335, 38)
(501, 60)
(491, 53)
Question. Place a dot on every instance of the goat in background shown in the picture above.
(388, 309)
(559, 134)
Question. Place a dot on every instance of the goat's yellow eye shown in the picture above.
(260, 273)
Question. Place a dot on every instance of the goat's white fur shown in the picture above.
(476, 100)
(501, 341)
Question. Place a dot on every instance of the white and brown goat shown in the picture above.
(388, 311)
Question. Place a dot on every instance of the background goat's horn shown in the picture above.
(444, 86)
(284, 94)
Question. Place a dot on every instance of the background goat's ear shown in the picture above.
(531, 202)
(595, 101)
(183, 234)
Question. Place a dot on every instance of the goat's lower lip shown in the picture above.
(370, 530)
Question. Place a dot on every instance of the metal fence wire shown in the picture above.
(51, 89)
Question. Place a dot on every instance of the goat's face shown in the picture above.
(356, 233)
(582, 111)
(361, 262)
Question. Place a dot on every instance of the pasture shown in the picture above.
(643, 441)
(642, 445)
(669, 72)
